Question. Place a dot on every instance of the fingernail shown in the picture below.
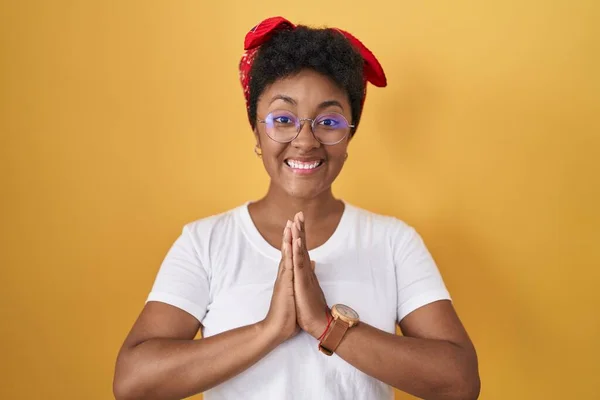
(288, 224)
(299, 242)
(301, 216)
(299, 225)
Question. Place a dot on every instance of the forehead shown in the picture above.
(306, 87)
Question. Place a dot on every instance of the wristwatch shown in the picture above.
(344, 318)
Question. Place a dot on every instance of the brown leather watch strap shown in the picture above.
(333, 338)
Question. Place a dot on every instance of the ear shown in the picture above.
(256, 137)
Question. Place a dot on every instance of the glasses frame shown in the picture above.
(300, 124)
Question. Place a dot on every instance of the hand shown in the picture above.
(311, 307)
(281, 318)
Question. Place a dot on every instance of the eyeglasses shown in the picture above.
(284, 126)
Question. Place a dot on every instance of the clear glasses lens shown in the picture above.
(330, 128)
(283, 127)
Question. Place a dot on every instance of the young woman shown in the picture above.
(298, 294)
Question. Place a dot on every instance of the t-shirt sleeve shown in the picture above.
(418, 279)
(182, 281)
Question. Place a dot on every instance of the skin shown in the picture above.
(160, 359)
(289, 193)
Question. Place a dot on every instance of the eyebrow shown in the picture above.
(288, 99)
(283, 97)
(330, 103)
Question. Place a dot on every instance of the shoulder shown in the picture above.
(208, 224)
(211, 230)
(388, 225)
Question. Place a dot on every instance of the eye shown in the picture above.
(284, 120)
(331, 122)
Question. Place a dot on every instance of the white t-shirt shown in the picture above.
(221, 271)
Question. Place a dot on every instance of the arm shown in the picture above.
(434, 360)
(160, 359)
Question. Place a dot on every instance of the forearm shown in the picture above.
(430, 369)
(175, 369)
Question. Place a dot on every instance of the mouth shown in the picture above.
(304, 167)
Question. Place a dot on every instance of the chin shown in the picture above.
(303, 192)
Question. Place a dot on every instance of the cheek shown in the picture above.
(338, 152)
(272, 152)
(271, 163)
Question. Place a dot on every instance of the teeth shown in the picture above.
(301, 165)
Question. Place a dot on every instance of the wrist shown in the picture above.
(320, 326)
(344, 319)
(269, 333)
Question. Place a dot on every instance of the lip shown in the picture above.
(302, 171)
(304, 159)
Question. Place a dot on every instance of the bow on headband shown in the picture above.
(261, 33)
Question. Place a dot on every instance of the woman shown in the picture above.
(298, 294)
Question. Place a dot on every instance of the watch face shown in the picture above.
(346, 311)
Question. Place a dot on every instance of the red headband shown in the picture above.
(261, 33)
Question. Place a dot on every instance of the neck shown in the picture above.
(281, 206)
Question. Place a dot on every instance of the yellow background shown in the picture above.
(122, 120)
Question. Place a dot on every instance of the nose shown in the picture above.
(306, 140)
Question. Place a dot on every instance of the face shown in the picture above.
(304, 167)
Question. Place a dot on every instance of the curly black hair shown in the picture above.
(325, 51)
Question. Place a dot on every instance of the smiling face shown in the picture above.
(303, 168)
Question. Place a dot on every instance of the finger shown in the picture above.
(299, 219)
(286, 250)
(286, 238)
(287, 232)
(282, 261)
(295, 228)
(303, 234)
(288, 266)
(287, 259)
(298, 253)
(302, 228)
(313, 265)
(286, 269)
